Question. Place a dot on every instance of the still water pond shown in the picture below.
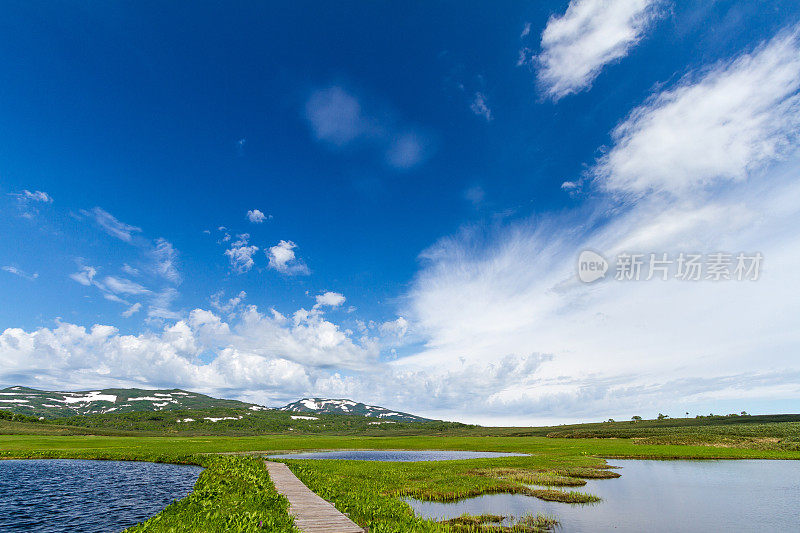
(396, 455)
(87, 496)
(663, 496)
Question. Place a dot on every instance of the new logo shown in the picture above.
(591, 266)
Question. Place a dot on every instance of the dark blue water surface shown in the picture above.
(396, 455)
(54, 495)
(662, 496)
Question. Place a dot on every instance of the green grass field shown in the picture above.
(234, 492)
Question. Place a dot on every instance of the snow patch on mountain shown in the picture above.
(348, 407)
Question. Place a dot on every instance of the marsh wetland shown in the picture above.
(543, 479)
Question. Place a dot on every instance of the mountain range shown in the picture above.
(54, 404)
(348, 407)
(57, 404)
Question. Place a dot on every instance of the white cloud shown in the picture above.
(282, 258)
(397, 327)
(480, 107)
(336, 117)
(407, 150)
(111, 225)
(165, 259)
(613, 348)
(475, 195)
(132, 310)
(123, 286)
(85, 276)
(526, 30)
(329, 299)
(27, 200)
(226, 306)
(340, 119)
(578, 44)
(161, 304)
(721, 124)
(260, 356)
(20, 273)
(241, 254)
(256, 216)
(37, 196)
(617, 348)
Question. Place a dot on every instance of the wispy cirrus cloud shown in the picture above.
(589, 35)
(485, 294)
(719, 124)
(119, 285)
(132, 310)
(340, 119)
(157, 264)
(27, 202)
(21, 273)
(113, 288)
(164, 260)
(85, 276)
(480, 107)
(111, 225)
(35, 196)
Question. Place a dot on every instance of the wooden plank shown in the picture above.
(311, 513)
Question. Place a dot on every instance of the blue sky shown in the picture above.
(386, 202)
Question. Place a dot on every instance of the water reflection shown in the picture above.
(663, 496)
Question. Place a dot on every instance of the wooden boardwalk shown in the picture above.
(311, 513)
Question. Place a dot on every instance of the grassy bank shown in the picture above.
(231, 494)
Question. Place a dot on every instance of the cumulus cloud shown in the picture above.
(720, 124)
(329, 299)
(227, 306)
(282, 258)
(260, 356)
(340, 119)
(589, 35)
(111, 225)
(256, 216)
(21, 273)
(480, 107)
(397, 327)
(241, 254)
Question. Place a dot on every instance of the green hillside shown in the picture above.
(349, 407)
(57, 404)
